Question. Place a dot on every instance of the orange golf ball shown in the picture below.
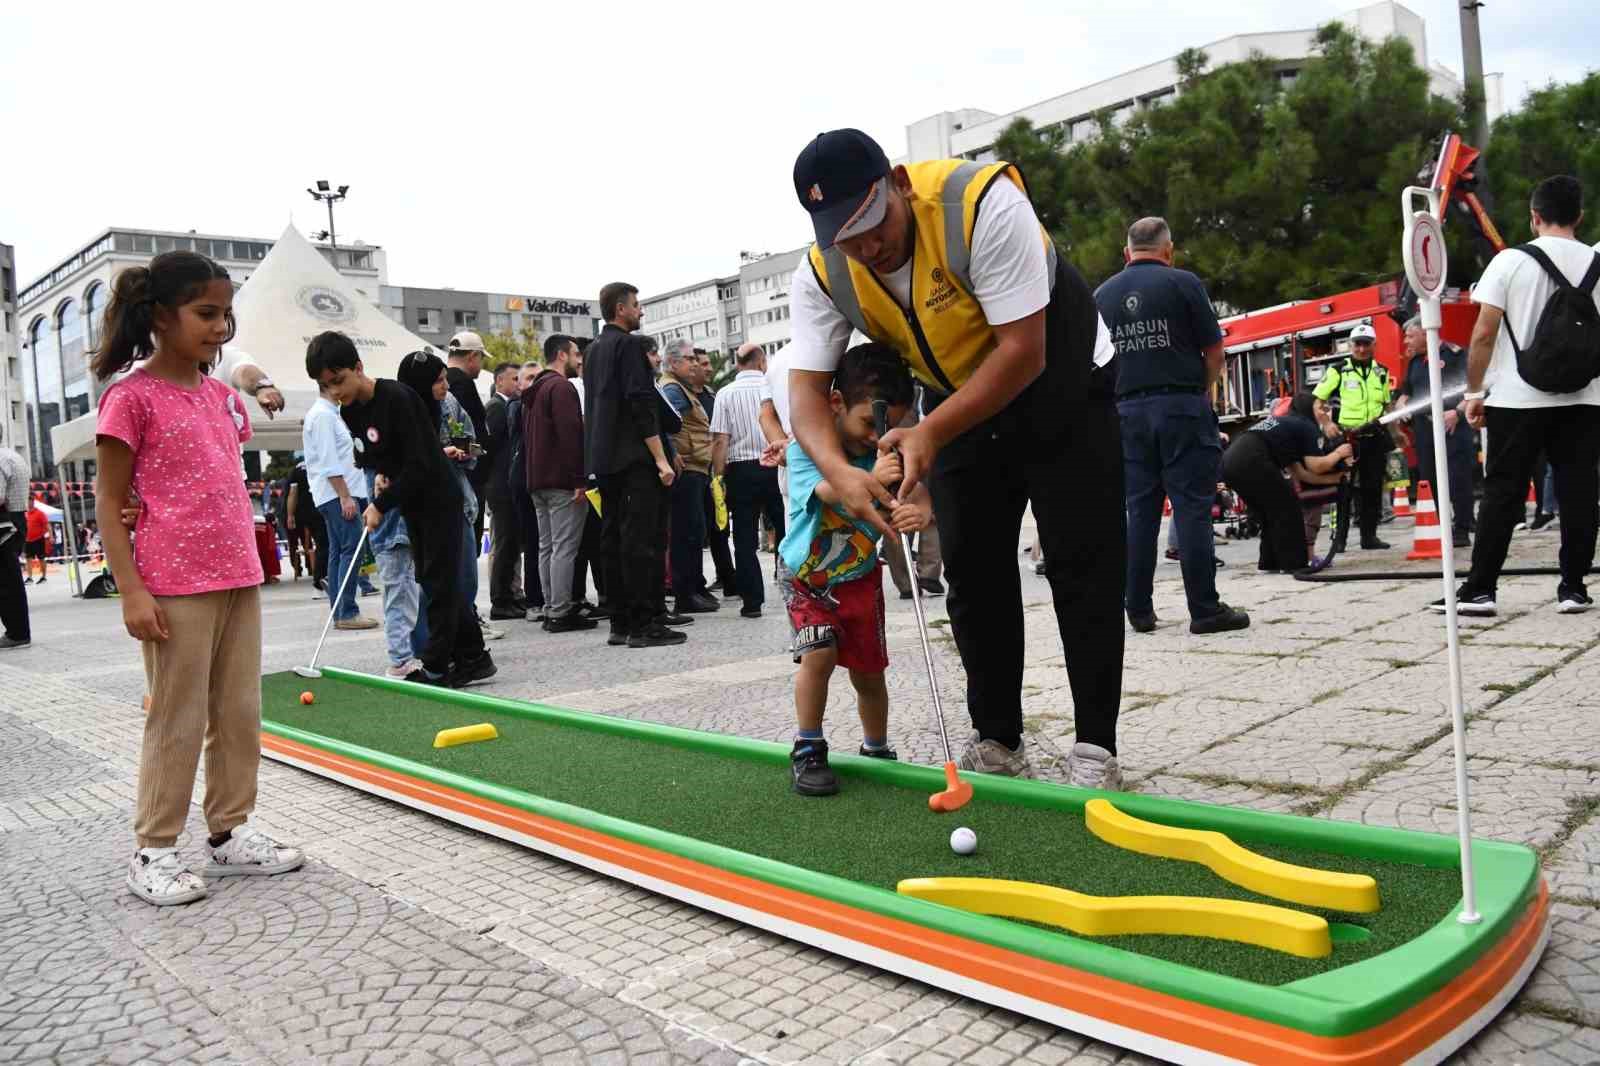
(307, 698)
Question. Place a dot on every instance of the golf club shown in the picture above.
(310, 669)
(956, 792)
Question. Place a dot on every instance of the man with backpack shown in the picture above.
(1531, 382)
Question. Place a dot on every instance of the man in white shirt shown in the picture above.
(1521, 420)
(737, 446)
(947, 263)
(336, 483)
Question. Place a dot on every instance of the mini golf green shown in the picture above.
(874, 832)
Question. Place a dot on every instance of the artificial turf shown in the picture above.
(872, 832)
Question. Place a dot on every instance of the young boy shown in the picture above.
(834, 586)
(395, 436)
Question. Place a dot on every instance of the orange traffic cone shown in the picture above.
(1402, 503)
(1533, 494)
(1425, 542)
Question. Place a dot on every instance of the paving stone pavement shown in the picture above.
(409, 940)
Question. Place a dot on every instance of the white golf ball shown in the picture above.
(963, 841)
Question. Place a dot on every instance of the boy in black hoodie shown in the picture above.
(394, 436)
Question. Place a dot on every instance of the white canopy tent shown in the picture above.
(291, 297)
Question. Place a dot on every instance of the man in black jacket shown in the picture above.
(623, 449)
(506, 596)
(465, 363)
(394, 435)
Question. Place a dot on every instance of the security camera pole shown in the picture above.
(1423, 250)
(325, 193)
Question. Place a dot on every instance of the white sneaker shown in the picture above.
(1573, 601)
(399, 672)
(1091, 766)
(490, 632)
(993, 757)
(158, 876)
(250, 852)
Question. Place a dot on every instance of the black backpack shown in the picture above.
(1564, 355)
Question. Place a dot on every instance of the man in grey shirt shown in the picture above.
(13, 597)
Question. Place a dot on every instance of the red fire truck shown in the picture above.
(1280, 350)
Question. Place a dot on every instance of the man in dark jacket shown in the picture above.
(506, 595)
(552, 453)
(622, 447)
(465, 363)
(516, 482)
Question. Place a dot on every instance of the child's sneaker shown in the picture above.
(159, 877)
(808, 763)
(250, 852)
(879, 753)
(1091, 766)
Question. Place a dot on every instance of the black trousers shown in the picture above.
(1371, 469)
(981, 484)
(506, 550)
(437, 546)
(1248, 468)
(752, 494)
(13, 594)
(632, 544)
(1570, 437)
(319, 537)
(588, 559)
(528, 541)
(719, 539)
(688, 538)
(1459, 455)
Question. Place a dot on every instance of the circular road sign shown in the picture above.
(1425, 255)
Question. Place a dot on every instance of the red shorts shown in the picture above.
(852, 623)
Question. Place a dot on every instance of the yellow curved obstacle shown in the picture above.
(1356, 893)
(449, 738)
(1260, 924)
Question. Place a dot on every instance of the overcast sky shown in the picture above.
(548, 148)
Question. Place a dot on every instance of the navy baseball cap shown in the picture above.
(842, 179)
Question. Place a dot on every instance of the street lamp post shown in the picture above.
(330, 196)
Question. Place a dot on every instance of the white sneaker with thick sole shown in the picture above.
(250, 852)
(399, 672)
(1091, 766)
(491, 632)
(159, 877)
(1574, 601)
(993, 757)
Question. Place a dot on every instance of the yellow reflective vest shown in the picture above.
(944, 336)
(1363, 393)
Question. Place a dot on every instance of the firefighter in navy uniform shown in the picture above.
(1363, 389)
(946, 262)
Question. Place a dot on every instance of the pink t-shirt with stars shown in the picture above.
(196, 530)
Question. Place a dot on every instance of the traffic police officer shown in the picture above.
(1363, 388)
(947, 263)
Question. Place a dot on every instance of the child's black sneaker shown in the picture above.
(879, 753)
(808, 763)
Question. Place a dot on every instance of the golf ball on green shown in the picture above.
(963, 841)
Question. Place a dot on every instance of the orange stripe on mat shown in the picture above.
(1169, 1017)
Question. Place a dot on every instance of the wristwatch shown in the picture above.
(263, 383)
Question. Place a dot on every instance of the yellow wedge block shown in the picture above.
(1356, 893)
(449, 738)
(1260, 924)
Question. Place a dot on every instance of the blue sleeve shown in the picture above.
(1207, 331)
(804, 507)
(677, 397)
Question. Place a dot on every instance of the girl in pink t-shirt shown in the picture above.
(170, 434)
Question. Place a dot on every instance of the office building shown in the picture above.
(708, 314)
(10, 363)
(436, 314)
(764, 285)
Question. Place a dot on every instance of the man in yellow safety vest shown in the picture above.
(1363, 388)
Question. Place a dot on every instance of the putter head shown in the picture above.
(308, 671)
(956, 795)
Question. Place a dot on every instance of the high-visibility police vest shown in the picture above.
(1362, 395)
(944, 337)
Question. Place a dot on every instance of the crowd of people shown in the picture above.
(992, 379)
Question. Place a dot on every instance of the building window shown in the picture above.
(466, 320)
(428, 319)
(733, 325)
(558, 323)
(359, 260)
(94, 305)
(534, 322)
(499, 322)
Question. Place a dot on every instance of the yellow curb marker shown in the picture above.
(1356, 893)
(449, 738)
(1261, 924)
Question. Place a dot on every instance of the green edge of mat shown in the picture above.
(1337, 1003)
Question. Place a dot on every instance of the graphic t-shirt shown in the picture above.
(196, 528)
(822, 546)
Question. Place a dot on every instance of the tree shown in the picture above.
(1557, 131)
(508, 347)
(1275, 189)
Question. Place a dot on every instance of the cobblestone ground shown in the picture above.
(409, 940)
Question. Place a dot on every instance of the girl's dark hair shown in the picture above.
(171, 280)
(1304, 404)
(873, 372)
(419, 370)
